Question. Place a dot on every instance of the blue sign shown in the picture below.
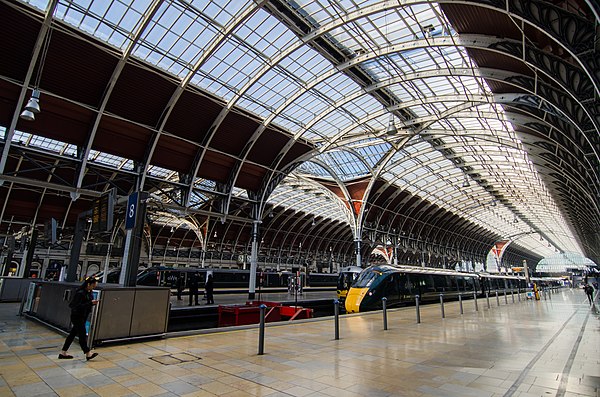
(132, 204)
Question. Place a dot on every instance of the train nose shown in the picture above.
(354, 298)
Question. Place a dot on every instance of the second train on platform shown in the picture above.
(400, 284)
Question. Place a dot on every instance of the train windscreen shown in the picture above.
(366, 278)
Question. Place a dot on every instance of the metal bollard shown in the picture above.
(550, 294)
(442, 305)
(505, 297)
(475, 300)
(512, 295)
(487, 298)
(261, 333)
(418, 311)
(497, 299)
(544, 293)
(384, 303)
(460, 303)
(519, 295)
(336, 310)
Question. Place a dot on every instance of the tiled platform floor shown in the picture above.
(543, 348)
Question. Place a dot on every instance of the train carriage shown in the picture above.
(400, 284)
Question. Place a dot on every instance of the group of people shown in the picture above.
(193, 285)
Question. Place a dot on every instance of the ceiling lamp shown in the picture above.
(466, 182)
(391, 129)
(27, 115)
(33, 105)
(427, 30)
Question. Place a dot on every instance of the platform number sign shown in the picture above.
(132, 204)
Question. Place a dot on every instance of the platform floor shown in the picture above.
(528, 348)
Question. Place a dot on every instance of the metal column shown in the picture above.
(253, 261)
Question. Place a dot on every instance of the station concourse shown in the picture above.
(272, 144)
(528, 348)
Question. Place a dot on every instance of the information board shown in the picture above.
(102, 212)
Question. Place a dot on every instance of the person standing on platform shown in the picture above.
(589, 291)
(180, 285)
(81, 307)
(193, 284)
(208, 288)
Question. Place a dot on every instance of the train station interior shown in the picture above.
(277, 147)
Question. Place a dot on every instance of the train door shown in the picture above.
(441, 284)
(405, 294)
(424, 286)
(471, 284)
(391, 290)
(483, 283)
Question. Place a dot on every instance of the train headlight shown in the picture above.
(370, 293)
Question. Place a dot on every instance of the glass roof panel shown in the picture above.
(159, 172)
(110, 159)
(39, 4)
(41, 142)
(307, 107)
(111, 21)
(313, 169)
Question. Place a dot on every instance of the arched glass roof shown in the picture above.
(337, 74)
(305, 196)
(563, 262)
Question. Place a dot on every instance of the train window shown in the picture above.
(440, 283)
(408, 285)
(469, 284)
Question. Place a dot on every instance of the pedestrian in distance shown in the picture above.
(208, 288)
(81, 306)
(193, 285)
(589, 291)
(180, 285)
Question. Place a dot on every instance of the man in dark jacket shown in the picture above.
(193, 284)
(81, 307)
(589, 290)
(208, 288)
(180, 285)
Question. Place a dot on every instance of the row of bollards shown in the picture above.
(336, 306)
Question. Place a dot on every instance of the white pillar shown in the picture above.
(253, 260)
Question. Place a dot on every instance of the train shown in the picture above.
(164, 276)
(346, 277)
(400, 284)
